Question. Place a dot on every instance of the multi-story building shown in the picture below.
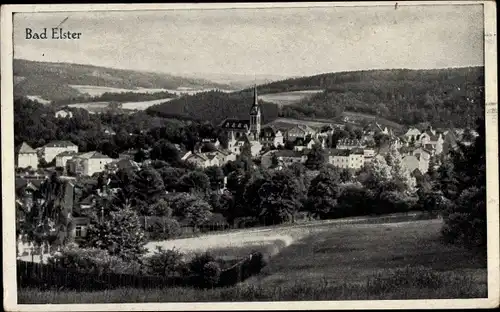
(271, 137)
(88, 163)
(300, 132)
(52, 149)
(346, 159)
(26, 157)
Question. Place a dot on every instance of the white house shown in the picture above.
(64, 113)
(347, 159)
(52, 149)
(62, 158)
(412, 134)
(27, 157)
(88, 163)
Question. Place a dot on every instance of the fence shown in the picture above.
(46, 276)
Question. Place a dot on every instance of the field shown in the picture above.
(141, 105)
(325, 261)
(288, 98)
(291, 122)
(38, 99)
(98, 90)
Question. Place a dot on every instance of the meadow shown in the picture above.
(288, 98)
(140, 105)
(284, 122)
(98, 90)
(326, 261)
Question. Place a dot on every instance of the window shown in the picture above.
(78, 231)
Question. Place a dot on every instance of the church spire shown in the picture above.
(255, 97)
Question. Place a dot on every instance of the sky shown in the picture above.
(271, 41)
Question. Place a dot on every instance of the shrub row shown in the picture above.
(205, 274)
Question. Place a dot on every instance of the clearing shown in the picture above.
(98, 106)
(288, 98)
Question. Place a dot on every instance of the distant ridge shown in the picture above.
(52, 81)
(404, 96)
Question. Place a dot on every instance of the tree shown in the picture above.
(464, 184)
(148, 185)
(323, 192)
(49, 220)
(164, 150)
(171, 177)
(315, 158)
(191, 209)
(166, 262)
(401, 176)
(119, 233)
(194, 181)
(216, 177)
(279, 197)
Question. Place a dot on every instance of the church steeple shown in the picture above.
(255, 115)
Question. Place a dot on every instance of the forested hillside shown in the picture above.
(52, 80)
(440, 96)
(214, 106)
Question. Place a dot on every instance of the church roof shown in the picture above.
(236, 124)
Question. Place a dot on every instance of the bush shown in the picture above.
(197, 264)
(93, 260)
(160, 228)
(211, 274)
(165, 262)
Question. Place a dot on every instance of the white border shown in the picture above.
(7, 148)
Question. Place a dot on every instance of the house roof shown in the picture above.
(236, 124)
(337, 152)
(60, 144)
(411, 162)
(26, 149)
(66, 153)
(92, 155)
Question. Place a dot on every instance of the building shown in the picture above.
(432, 141)
(87, 164)
(250, 127)
(287, 157)
(52, 149)
(62, 158)
(235, 145)
(347, 159)
(202, 160)
(412, 135)
(270, 136)
(64, 113)
(307, 144)
(417, 161)
(26, 157)
(300, 132)
(108, 131)
(349, 144)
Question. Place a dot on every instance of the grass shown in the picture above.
(407, 283)
(328, 261)
(288, 98)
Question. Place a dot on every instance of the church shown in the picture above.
(245, 131)
(249, 127)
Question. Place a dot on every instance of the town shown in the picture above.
(243, 154)
(269, 148)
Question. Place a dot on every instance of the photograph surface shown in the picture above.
(249, 154)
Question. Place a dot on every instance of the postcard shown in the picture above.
(249, 156)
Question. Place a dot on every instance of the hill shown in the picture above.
(52, 81)
(402, 96)
(439, 96)
(214, 106)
